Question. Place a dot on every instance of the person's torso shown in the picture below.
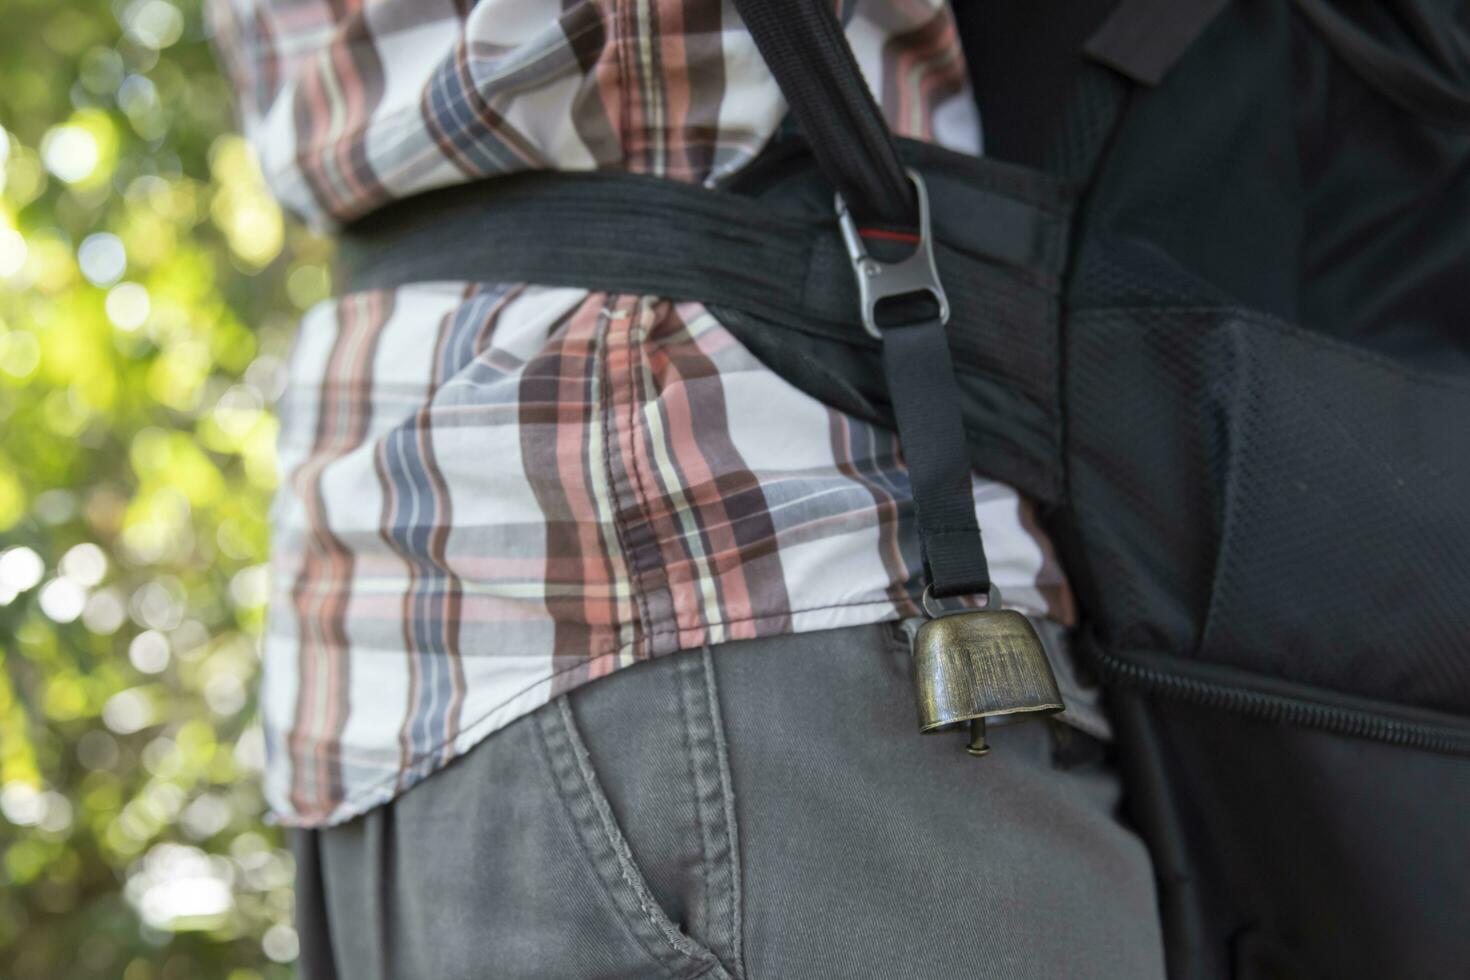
(493, 492)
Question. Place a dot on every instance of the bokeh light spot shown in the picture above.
(62, 600)
(149, 652)
(70, 152)
(21, 803)
(20, 354)
(281, 943)
(20, 568)
(13, 252)
(128, 711)
(85, 564)
(104, 613)
(102, 258)
(154, 24)
(127, 305)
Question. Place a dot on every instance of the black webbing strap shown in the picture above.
(804, 46)
(1000, 242)
(622, 233)
(765, 261)
(926, 404)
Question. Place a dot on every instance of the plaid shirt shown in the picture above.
(496, 492)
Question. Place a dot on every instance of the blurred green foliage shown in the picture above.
(148, 287)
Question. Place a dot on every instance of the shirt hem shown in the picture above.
(538, 694)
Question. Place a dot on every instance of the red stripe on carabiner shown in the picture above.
(907, 237)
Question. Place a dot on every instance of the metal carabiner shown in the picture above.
(878, 281)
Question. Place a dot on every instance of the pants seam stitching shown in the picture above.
(727, 797)
(696, 785)
(561, 744)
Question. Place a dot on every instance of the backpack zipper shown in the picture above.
(1272, 706)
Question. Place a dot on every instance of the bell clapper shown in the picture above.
(978, 746)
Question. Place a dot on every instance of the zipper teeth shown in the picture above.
(1276, 707)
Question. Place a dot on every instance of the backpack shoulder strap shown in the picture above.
(903, 304)
(805, 48)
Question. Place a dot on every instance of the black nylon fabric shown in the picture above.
(926, 403)
(1242, 485)
(1289, 854)
(1039, 41)
(1415, 53)
(1272, 500)
(804, 46)
(1265, 399)
(1144, 38)
(1302, 193)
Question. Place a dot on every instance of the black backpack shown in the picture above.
(1214, 315)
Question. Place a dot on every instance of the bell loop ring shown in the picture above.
(933, 609)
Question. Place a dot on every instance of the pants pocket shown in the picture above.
(640, 765)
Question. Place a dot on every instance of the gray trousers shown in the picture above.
(762, 810)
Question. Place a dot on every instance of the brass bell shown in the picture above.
(973, 664)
